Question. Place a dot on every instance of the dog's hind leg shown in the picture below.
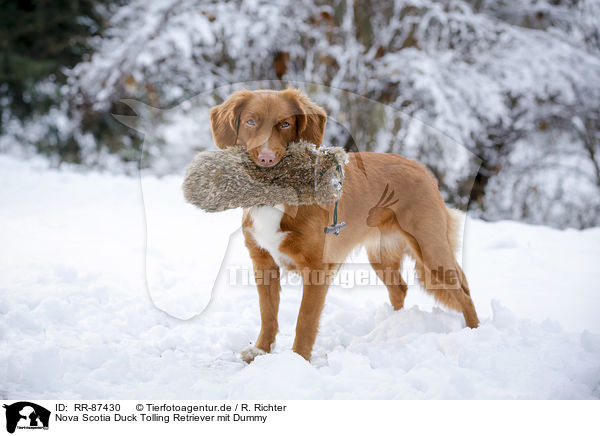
(386, 260)
(440, 274)
(442, 284)
(466, 302)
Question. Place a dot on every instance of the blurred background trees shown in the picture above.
(40, 40)
(515, 83)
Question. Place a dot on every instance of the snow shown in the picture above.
(91, 308)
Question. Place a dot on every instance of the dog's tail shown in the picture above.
(454, 230)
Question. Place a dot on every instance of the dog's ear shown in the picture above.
(225, 119)
(310, 120)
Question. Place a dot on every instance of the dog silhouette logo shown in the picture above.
(26, 415)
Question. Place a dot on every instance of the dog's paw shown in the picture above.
(250, 353)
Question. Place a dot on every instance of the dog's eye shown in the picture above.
(251, 123)
(285, 125)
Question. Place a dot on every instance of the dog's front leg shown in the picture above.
(267, 275)
(316, 284)
(268, 284)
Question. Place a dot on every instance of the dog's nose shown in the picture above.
(266, 158)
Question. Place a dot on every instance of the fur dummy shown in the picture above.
(227, 179)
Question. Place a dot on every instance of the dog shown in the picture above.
(390, 204)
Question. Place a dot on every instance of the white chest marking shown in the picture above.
(267, 233)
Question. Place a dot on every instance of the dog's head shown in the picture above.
(265, 122)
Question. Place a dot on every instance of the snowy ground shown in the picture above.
(78, 319)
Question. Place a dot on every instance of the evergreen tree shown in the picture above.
(38, 38)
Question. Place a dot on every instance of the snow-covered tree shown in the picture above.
(500, 93)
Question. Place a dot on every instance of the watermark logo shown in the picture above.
(26, 415)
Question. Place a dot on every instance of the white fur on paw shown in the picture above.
(250, 353)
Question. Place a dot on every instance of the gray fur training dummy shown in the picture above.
(220, 180)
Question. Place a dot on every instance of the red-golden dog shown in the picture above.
(390, 204)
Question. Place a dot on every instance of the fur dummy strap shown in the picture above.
(336, 227)
(221, 180)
